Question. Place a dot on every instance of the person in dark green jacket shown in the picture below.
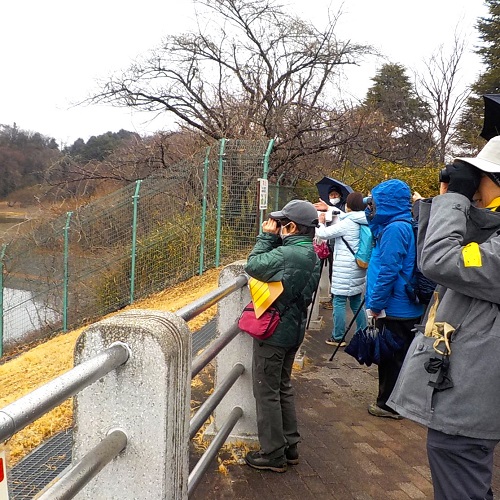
(283, 252)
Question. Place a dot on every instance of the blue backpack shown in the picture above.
(362, 256)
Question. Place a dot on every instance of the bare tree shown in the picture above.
(440, 89)
(250, 69)
(132, 159)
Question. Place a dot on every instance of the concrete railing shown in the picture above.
(132, 386)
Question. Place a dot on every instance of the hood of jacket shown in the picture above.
(359, 217)
(392, 202)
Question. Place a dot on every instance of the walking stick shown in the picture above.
(315, 293)
(348, 328)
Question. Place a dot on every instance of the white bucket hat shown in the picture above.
(488, 159)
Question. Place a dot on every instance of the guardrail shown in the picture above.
(27, 409)
(131, 386)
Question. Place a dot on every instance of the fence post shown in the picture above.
(2, 256)
(66, 271)
(219, 200)
(148, 398)
(206, 164)
(267, 155)
(134, 240)
(265, 171)
(238, 350)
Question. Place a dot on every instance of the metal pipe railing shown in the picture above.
(214, 399)
(28, 408)
(32, 406)
(88, 467)
(202, 304)
(207, 457)
(213, 349)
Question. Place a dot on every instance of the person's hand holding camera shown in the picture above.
(271, 226)
(464, 178)
(416, 196)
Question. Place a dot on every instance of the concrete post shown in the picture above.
(316, 320)
(148, 398)
(322, 295)
(324, 284)
(239, 350)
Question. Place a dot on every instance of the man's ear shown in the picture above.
(292, 228)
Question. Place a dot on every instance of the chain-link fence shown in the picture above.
(156, 232)
(281, 195)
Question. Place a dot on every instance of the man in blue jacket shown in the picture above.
(391, 266)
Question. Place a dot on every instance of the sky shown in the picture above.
(54, 53)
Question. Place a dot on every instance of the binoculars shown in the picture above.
(444, 176)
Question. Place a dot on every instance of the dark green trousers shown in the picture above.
(274, 397)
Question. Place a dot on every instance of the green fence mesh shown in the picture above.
(70, 270)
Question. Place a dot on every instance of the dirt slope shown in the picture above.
(44, 362)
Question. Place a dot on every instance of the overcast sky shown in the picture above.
(53, 52)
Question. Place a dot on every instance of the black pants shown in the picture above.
(274, 397)
(461, 467)
(389, 369)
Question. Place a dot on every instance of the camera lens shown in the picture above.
(444, 176)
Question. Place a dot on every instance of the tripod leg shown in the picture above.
(315, 294)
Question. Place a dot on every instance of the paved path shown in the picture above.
(345, 452)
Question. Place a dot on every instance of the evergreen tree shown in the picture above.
(471, 121)
(99, 147)
(401, 123)
(394, 96)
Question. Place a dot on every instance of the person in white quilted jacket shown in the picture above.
(348, 279)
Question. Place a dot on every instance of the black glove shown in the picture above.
(464, 178)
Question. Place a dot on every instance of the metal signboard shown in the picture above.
(263, 194)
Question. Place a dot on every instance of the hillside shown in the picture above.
(46, 361)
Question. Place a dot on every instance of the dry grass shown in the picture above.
(230, 453)
(47, 361)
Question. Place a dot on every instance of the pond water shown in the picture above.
(23, 313)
